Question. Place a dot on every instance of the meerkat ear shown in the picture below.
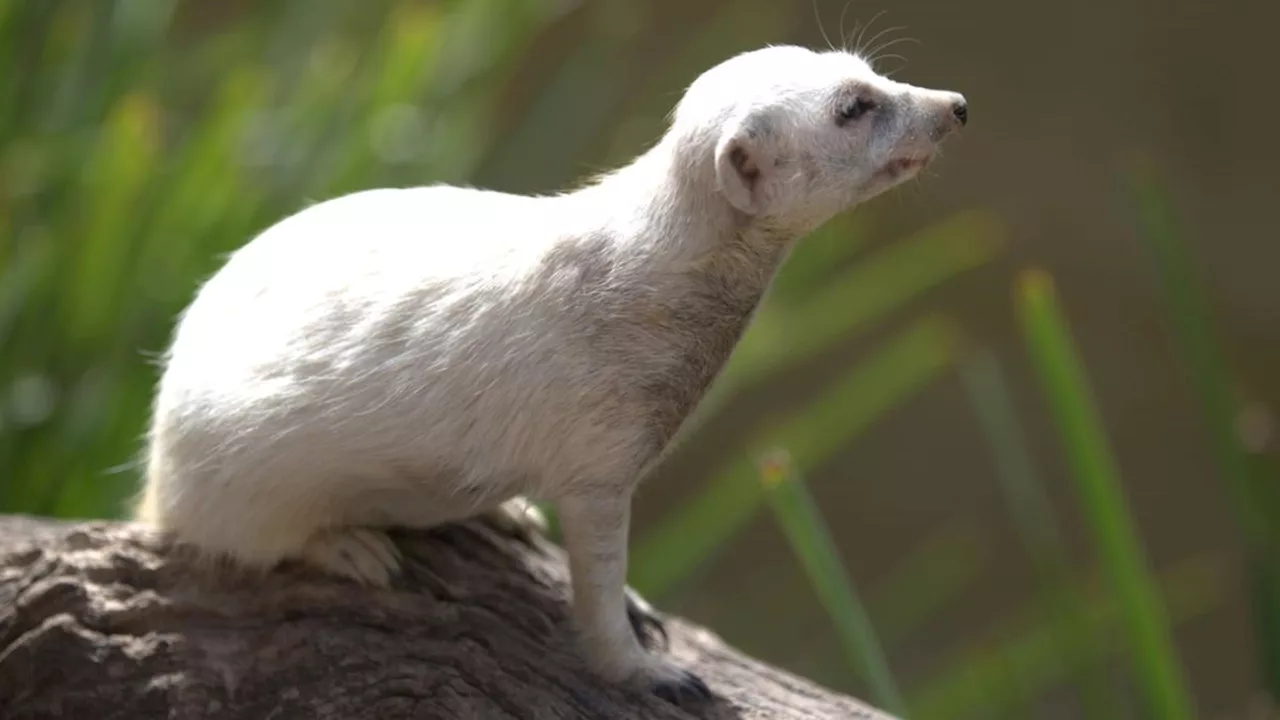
(744, 166)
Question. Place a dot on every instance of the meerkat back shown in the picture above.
(277, 366)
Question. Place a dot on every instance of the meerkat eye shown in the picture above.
(854, 110)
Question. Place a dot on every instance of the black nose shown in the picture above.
(961, 110)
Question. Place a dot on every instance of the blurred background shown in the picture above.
(1001, 442)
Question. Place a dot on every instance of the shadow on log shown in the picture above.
(99, 621)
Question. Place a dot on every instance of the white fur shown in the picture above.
(414, 356)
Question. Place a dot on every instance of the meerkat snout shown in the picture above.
(947, 111)
(952, 110)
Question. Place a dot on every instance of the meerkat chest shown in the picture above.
(666, 348)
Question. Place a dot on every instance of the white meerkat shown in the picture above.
(409, 357)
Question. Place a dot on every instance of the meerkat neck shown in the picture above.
(687, 267)
(667, 206)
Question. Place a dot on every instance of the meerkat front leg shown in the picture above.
(595, 526)
(521, 519)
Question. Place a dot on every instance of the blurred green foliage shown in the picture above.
(1250, 484)
(141, 140)
(1098, 477)
(809, 537)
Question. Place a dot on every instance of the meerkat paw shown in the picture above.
(646, 671)
(647, 623)
(367, 556)
(518, 518)
(676, 685)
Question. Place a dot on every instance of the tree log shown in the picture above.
(99, 620)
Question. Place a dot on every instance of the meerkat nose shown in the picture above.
(960, 109)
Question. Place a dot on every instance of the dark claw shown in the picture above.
(646, 622)
(686, 690)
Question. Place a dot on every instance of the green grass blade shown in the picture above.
(1194, 332)
(1036, 524)
(691, 534)
(928, 579)
(1022, 657)
(1098, 481)
(811, 541)
(1197, 341)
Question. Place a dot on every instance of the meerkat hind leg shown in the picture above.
(519, 518)
(366, 555)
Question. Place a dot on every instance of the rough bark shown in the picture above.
(99, 621)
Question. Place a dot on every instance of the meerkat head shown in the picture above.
(796, 136)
